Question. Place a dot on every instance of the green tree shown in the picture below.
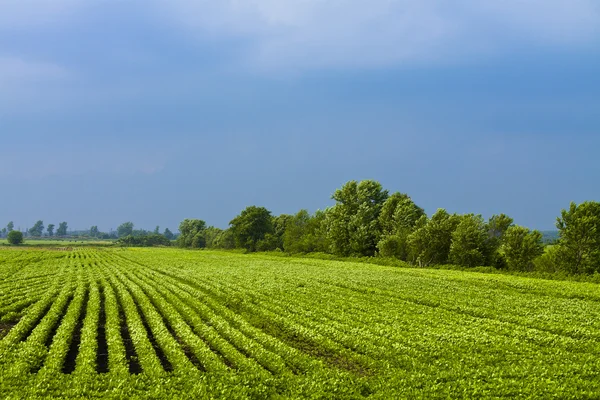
(211, 234)
(251, 226)
(520, 247)
(37, 230)
(168, 234)
(15, 237)
(579, 243)
(125, 229)
(224, 240)
(94, 232)
(306, 233)
(50, 230)
(62, 229)
(10, 226)
(430, 242)
(157, 230)
(192, 233)
(353, 222)
(397, 219)
(469, 242)
(497, 226)
(4, 232)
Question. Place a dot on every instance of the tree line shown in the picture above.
(368, 221)
(125, 232)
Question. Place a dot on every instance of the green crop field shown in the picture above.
(165, 323)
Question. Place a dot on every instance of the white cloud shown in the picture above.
(339, 33)
(14, 70)
(28, 13)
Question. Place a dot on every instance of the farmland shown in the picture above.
(166, 323)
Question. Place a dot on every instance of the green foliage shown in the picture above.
(579, 244)
(62, 229)
(143, 241)
(167, 323)
(353, 223)
(37, 230)
(224, 240)
(430, 243)
(398, 218)
(10, 226)
(192, 234)
(251, 227)
(469, 241)
(15, 237)
(125, 229)
(520, 247)
(306, 233)
(50, 230)
(94, 232)
(168, 234)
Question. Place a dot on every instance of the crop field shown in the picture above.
(166, 323)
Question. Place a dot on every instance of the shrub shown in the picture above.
(15, 237)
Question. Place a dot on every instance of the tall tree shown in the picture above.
(469, 242)
(192, 233)
(94, 232)
(37, 230)
(398, 217)
(62, 229)
(353, 222)
(168, 234)
(157, 230)
(579, 244)
(430, 243)
(125, 229)
(10, 226)
(50, 230)
(520, 247)
(251, 226)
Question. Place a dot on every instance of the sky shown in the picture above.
(155, 111)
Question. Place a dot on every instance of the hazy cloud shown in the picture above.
(341, 33)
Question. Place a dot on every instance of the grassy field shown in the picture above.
(166, 323)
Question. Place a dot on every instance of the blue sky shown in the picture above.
(157, 111)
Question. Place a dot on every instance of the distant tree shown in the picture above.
(168, 234)
(192, 233)
(125, 229)
(224, 240)
(4, 232)
(469, 242)
(430, 243)
(94, 232)
(15, 237)
(353, 226)
(157, 230)
(306, 233)
(251, 226)
(10, 226)
(62, 229)
(210, 235)
(50, 230)
(397, 219)
(579, 244)
(497, 226)
(520, 247)
(150, 240)
(37, 230)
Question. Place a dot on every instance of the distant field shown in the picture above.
(167, 323)
(61, 242)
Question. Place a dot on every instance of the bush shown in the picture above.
(15, 237)
(144, 241)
